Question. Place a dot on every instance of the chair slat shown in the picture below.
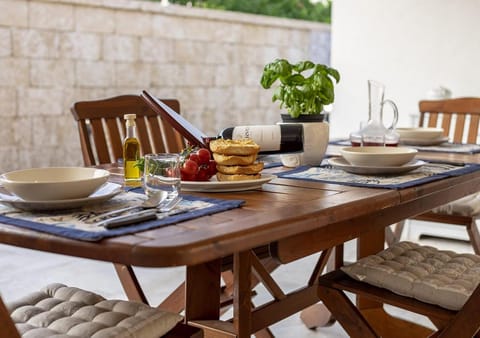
(446, 124)
(172, 137)
(473, 130)
(98, 134)
(459, 128)
(114, 139)
(433, 120)
(159, 143)
(143, 138)
(421, 121)
(87, 151)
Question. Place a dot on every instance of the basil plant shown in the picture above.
(303, 88)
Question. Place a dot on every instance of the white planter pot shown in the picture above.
(315, 142)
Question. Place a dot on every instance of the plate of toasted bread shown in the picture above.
(237, 167)
(226, 186)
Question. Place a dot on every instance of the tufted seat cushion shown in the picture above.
(444, 278)
(467, 206)
(66, 312)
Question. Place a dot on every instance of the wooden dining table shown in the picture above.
(287, 218)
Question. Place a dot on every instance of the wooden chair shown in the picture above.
(101, 128)
(460, 120)
(384, 277)
(58, 310)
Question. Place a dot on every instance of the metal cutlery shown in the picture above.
(147, 204)
(137, 217)
(140, 216)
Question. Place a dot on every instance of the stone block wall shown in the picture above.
(56, 52)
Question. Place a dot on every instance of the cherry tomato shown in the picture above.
(194, 157)
(203, 155)
(190, 167)
(186, 177)
(183, 173)
(198, 165)
(203, 175)
(212, 167)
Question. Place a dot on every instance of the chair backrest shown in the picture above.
(8, 329)
(101, 128)
(459, 118)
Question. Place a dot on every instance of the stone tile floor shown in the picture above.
(25, 270)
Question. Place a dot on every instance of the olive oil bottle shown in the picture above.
(131, 152)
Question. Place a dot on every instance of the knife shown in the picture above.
(120, 221)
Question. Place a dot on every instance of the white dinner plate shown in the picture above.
(423, 133)
(225, 186)
(423, 142)
(105, 192)
(341, 163)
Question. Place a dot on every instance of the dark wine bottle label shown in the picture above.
(278, 138)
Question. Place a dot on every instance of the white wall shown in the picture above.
(409, 45)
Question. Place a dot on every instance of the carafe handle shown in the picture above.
(395, 113)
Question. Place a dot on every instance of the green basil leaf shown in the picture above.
(334, 73)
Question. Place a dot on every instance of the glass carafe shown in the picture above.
(374, 133)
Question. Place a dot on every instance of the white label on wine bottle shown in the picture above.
(268, 137)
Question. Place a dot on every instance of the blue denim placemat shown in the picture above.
(427, 173)
(74, 223)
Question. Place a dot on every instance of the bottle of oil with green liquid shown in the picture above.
(131, 152)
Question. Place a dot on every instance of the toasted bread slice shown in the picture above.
(250, 169)
(234, 159)
(237, 177)
(241, 147)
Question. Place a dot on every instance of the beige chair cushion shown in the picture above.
(444, 278)
(466, 206)
(65, 312)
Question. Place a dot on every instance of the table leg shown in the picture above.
(202, 291)
(242, 307)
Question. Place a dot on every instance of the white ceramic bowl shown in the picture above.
(378, 156)
(54, 183)
(420, 133)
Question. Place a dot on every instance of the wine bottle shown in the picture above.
(131, 152)
(272, 139)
